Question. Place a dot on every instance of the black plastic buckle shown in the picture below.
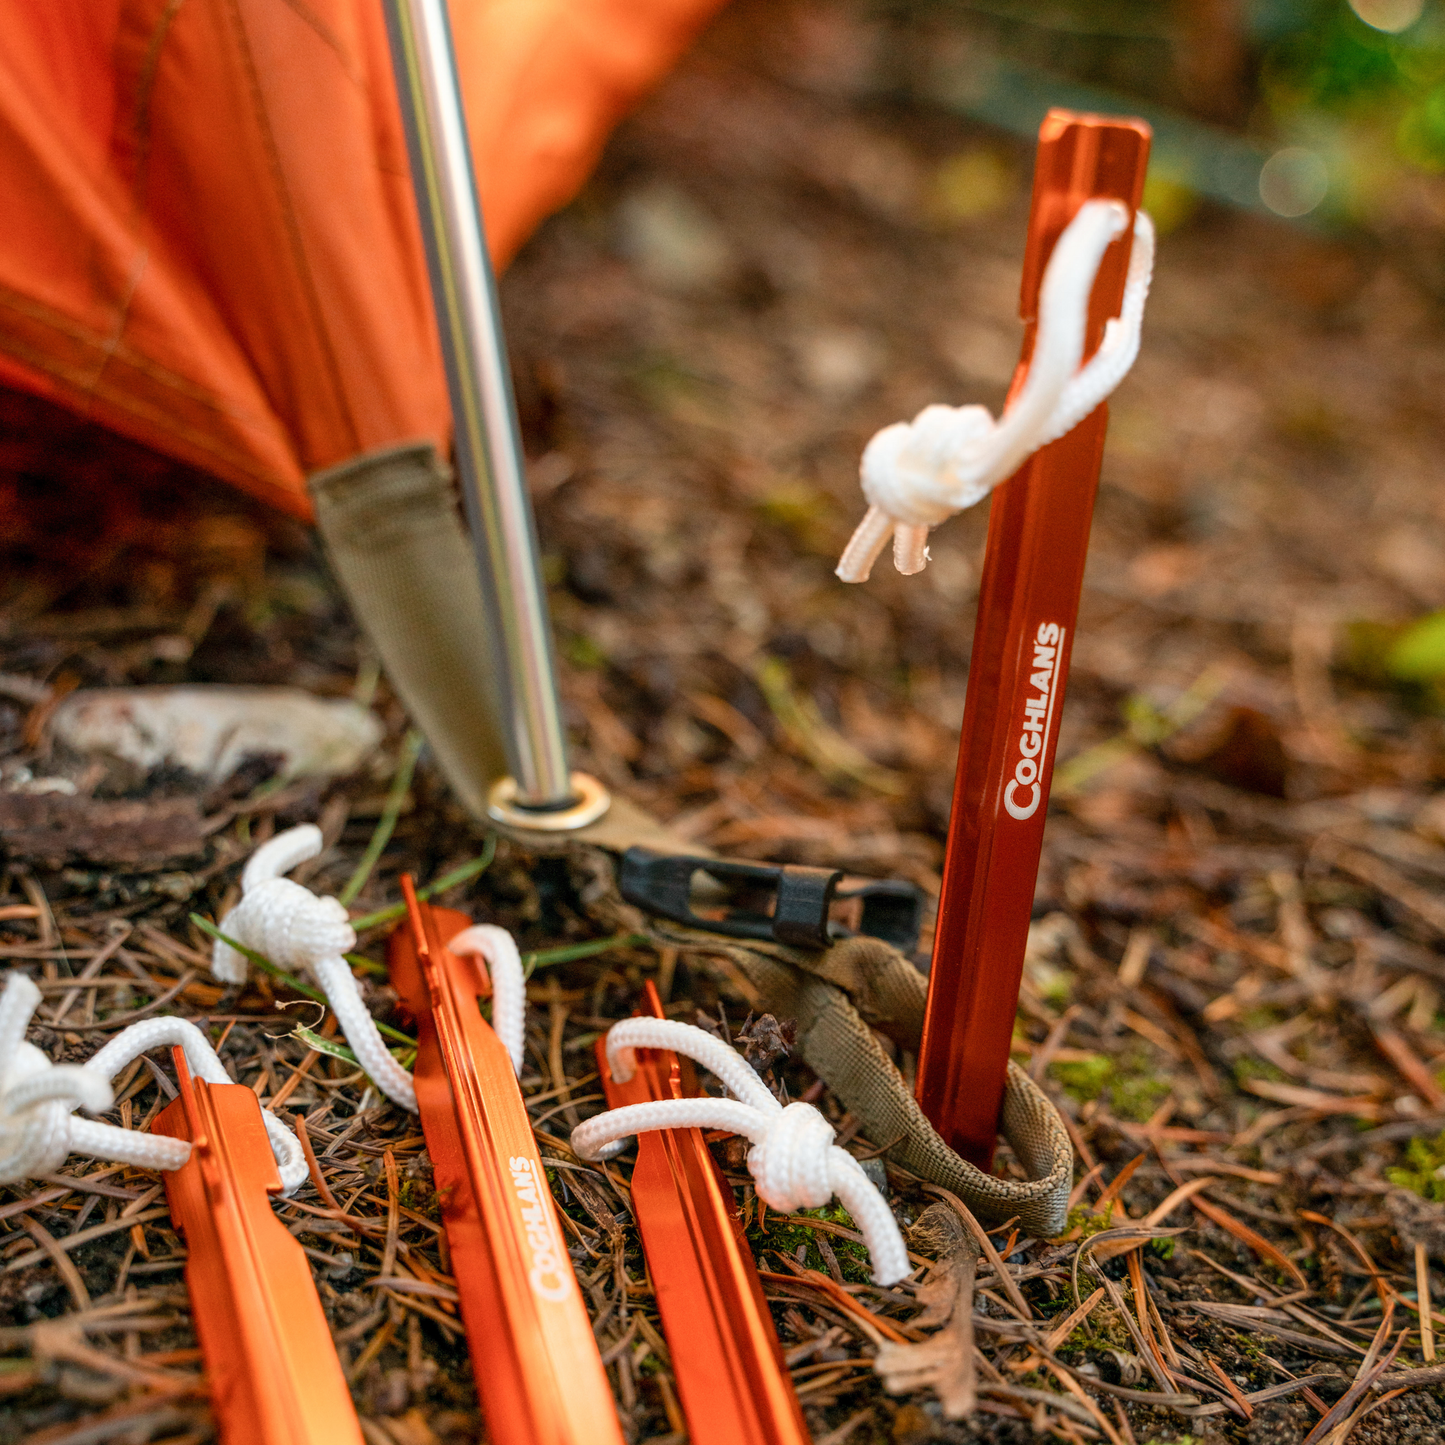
(801, 898)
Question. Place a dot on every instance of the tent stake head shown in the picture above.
(589, 801)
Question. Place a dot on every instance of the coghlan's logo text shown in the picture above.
(1024, 792)
(550, 1275)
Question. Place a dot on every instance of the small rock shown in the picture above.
(672, 240)
(210, 731)
(22, 780)
(839, 363)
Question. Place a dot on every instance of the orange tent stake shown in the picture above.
(538, 1372)
(730, 1374)
(274, 1375)
(1033, 571)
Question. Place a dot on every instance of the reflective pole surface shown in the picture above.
(542, 792)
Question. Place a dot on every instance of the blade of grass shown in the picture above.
(455, 878)
(400, 784)
(281, 976)
(570, 953)
(309, 1037)
(314, 1040)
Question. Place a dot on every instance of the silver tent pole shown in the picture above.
(542, 791)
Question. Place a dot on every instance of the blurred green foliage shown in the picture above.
(1423, 1170)
(1324, 58)
(1418, 653)
(1408, 658)
(1347, 96)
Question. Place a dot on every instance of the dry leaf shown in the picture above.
(944, 1361)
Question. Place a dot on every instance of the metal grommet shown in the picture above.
(593, 800)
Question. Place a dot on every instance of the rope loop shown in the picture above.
(794, 1162)
(38, 1099)
(918, 474)
(297, 929)
(509, 984)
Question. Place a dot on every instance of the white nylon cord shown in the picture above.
(37, 1098)
(296, 929)
(794, 1162)
(916, 475)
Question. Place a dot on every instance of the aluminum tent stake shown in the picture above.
(1038, 536)
(729, 1366)
(537, 1368)
(273, 1371)
(542, 792)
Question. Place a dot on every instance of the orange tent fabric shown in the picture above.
(208, 239)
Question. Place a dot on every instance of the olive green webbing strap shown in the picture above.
(838, 1044)
(397, 545)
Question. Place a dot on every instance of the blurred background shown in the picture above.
(813, 229)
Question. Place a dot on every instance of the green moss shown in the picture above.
(1252, 1351)
(419, 1196)
(1101, 1332)
(1423, 1170)
(1247, 1069)
(1083, 1079)
(1133, 1085)
(1138, 1097)
(781, 1237)
(1087, 1222)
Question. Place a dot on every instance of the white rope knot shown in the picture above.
(916, 475)
(38, 1127)
(794, 1162)
(791, 1165)
(287, 923)
(297, 929)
